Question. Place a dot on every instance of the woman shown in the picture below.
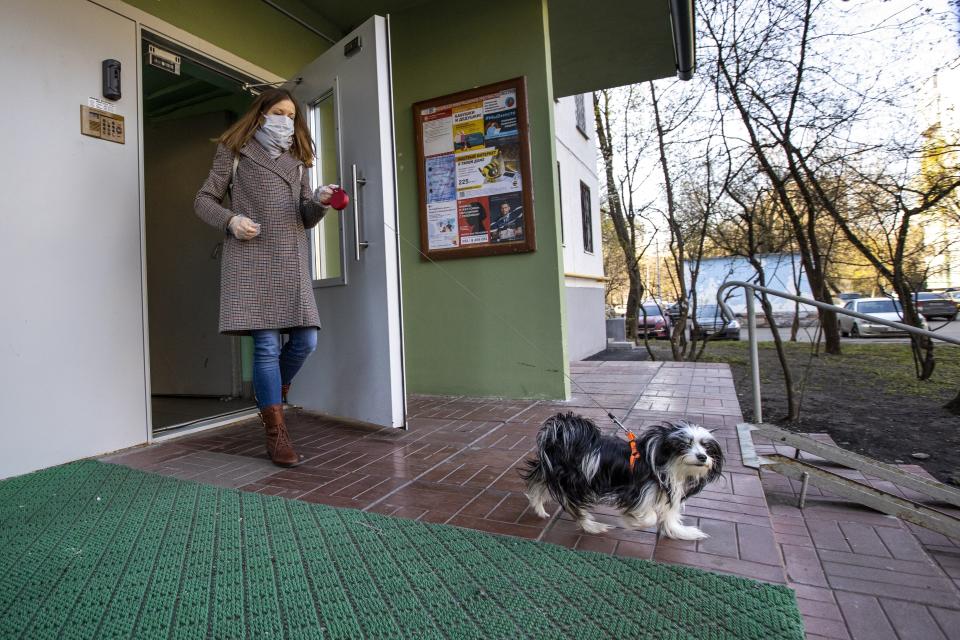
(265, 283)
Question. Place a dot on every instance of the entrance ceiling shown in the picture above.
(345, 16)
(609, 43)
(593, 45)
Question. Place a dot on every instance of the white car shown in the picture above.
(882, 308)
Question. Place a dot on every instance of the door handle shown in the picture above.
(357, 183)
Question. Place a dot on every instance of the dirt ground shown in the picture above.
(868, 399)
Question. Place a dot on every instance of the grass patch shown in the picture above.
(868, 398)
(888, 365)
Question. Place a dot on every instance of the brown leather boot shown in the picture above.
(278, 441)
(284, 390)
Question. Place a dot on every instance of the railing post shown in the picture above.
(754, 353)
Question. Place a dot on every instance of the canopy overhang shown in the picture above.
(593, 45)
(611, 43)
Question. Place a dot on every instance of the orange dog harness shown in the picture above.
(634, 454)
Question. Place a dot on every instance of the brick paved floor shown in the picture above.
(857, 574)
(457, 464)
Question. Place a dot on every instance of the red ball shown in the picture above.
(339, 200)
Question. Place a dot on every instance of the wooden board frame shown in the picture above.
(528, 243)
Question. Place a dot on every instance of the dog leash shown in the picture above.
(631, 438)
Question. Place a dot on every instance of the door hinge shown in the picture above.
(352, 47)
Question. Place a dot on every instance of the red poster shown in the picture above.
(473, 218)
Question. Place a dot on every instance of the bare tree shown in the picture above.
(877, 216)
(812, 122)
(759, 57)
(756, 228)
(687, 225)
(617, 138)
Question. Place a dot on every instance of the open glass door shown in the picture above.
(357, 372)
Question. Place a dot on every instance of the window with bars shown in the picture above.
(587, 218)
(581, 109)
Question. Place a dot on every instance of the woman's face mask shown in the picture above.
(279, 129)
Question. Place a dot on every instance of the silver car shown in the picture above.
(882, 308)
(711, 324)
(933, 305)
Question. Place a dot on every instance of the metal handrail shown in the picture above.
(751, 288)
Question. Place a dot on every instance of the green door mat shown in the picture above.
(93, 550)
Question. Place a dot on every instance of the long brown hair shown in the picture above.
(243, 129)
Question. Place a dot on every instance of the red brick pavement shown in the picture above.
(458, 462)
(856, 573)
(859, 574)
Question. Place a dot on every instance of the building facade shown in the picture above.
(941, 231)
(110, 282)
(580, 238)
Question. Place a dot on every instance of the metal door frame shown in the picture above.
(166, 35)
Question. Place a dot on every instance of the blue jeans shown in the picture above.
(274, 365)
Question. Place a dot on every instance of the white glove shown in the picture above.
(243, 228)
(323, 194)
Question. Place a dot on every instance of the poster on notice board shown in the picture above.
(473, 164)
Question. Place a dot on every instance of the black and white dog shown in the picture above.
(582, 468)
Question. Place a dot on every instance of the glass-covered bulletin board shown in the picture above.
(473, 164)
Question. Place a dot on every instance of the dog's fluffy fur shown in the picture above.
(581, 468)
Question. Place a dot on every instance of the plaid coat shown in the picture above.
(265, 283)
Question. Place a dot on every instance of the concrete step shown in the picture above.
(616, 344)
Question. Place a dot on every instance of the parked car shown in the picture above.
(882, 308)
(653, 321)
(673, 312)
(953, 295)
(711, 324)
(847, 297)
(933, 305)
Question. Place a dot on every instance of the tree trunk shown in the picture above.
(646, 337)
(626, 233)
(922, 346)
(797, 281)
(678, 334)
(828, 319)
(678, 344)
(633, 301)
(793, 407)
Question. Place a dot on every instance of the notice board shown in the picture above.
(473, 165)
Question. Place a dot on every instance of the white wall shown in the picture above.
(943, 238)
(577, 159)
(781, 270)
(940, 111)
(586, 320)
(71, 327)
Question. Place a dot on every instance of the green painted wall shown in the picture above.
(250, 29)
(456, 344)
